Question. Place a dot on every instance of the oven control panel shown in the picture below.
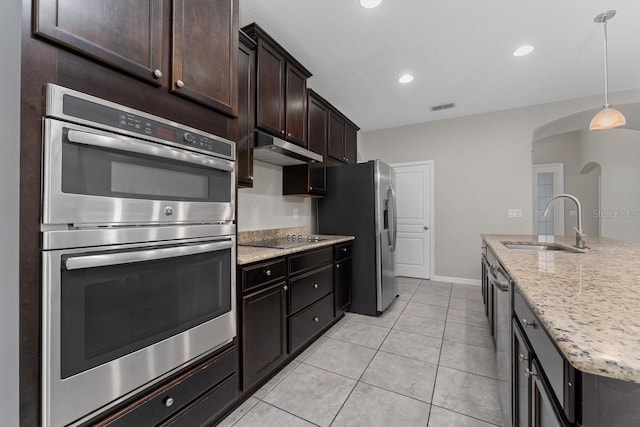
(129, 120)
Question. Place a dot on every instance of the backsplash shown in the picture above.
(264, 206)
(270, 234)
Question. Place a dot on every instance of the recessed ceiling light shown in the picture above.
(370, 4)
(405, 78)
(523, 50)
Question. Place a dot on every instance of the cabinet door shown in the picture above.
(270, 90)
(317, 126)
(246, 116)
(342, 286)
(124, 34)
(350, 143)
(205, 53)
(521, 387)
(543, 413)
(336, 137)
(296, 106)
(264, 330)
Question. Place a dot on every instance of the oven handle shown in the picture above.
(89, 261)
(148, 148)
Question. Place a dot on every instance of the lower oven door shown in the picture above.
(117, 319)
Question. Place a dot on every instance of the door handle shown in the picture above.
(426, 227)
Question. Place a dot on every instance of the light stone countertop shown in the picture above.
(588, 302)
(250, 254)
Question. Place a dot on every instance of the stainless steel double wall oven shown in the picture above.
(138, 241)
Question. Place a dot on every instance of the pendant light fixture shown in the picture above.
(607, 118)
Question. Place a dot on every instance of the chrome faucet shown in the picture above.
(579, 234)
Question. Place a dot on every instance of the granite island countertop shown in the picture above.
(589, 303)
(250, 254)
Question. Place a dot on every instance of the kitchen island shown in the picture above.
(587, 304)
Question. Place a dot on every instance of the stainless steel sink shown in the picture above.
(542, 247)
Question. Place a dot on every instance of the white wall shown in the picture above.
(482, 168)
(618, 153)
(264, 206)
(10, 20)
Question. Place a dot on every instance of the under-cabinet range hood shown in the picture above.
(274, 150)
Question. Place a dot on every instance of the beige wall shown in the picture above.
(618, 153)
(566, 148)
(482, 169)
(264, 206)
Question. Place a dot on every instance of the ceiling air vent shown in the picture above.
(443, 106)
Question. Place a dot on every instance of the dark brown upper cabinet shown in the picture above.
(281, 89)
(310, 180)
(205, 53)
(343, 138)
(246, 110)
(124, 34)
(132, 36)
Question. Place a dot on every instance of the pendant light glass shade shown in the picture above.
(607, 118)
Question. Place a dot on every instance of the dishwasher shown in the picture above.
(500, 287)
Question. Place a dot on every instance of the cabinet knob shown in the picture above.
(289, 134)
(344, 249)
(268, 272)
(522, 357)
(310, 188)
(315, 319)
(526, 323)
(337, 265)
(157, 74)
(180, 83)
(250, 178)
(282, 131)
(315, 286)
(529, 373)
(285, 287)
(168, 401)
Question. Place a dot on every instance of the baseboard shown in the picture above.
(459, 280)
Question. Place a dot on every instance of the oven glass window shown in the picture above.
(97, 171)
(111, 311)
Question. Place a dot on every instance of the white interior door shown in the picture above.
(548, 180)
(414, 194)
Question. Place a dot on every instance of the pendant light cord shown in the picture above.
(606, 69)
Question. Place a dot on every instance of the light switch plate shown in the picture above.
(514, 213)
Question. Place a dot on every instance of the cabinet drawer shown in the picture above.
(261, 274)
(551, 360)
(309, 288)
(306, 324)
(153, 408)
(208, 406)
(343, 250)
(305, 261)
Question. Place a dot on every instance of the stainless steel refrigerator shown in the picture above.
(360, 201)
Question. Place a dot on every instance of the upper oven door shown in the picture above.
(92, 177)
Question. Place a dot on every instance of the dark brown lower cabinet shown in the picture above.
(264, 332)
(214, 379)
(543, 411)
(306, 324)
(521, 385)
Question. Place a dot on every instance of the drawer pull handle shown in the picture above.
(168, 402)
(315, 319)
(315, 286)
(526, 323)
(530, 373)
(179, 84)
(268, 272)
(285, 287)
(337, 265)
(522, 357)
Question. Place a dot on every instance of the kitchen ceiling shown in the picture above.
(460, 51)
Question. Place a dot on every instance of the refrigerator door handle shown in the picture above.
(393, 238)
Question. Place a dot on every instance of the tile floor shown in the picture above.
(427, 361)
